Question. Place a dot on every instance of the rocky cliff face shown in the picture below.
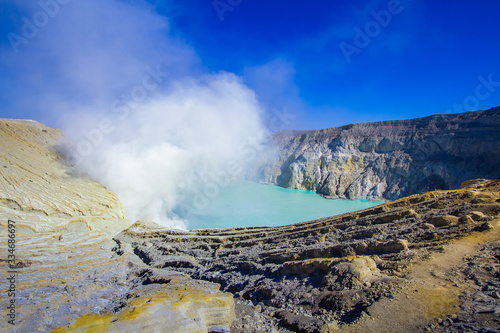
(390, 159)
(35, 181)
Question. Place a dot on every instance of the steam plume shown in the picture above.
(142, 116)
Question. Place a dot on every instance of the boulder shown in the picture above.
(392, 246)
(351, 274)
(443, 221)
(465, 220)
(476, 215)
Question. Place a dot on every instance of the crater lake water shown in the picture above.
(249, 204)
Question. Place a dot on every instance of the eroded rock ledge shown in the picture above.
(390, 159)
(311, 276)
(38, 189)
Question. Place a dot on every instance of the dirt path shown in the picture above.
(432, 293)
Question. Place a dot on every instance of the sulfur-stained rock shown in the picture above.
(392, 246)
(476, 215)
(443, 221)
(396, 216)
(77, 275)
(33, 177)
(465, 220)
(301, 277)
(307, 267)
(355, 273)
(316, 266)
(472, 183)
(68, 276)
(178, 308)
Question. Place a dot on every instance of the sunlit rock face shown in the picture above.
(34, 178)
(390, 159)
(68, 278)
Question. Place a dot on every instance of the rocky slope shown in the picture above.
(390, 159)
(37, 185)
(67, 278)
(316, 276)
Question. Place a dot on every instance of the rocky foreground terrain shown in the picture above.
(426, 262)
(390, 159)
(317, 275)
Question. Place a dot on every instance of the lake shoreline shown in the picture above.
(244, 203)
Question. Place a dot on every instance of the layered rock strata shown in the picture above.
(390, 159)
(309, 275)
(67, 278)
(72, 281)
(33, 176)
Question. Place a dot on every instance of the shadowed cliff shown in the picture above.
(389, 159)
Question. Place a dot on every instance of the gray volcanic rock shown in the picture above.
(390, 159)
(306, 276)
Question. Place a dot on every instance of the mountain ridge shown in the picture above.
(389, 159)
(493, 110)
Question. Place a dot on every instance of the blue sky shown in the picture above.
(420, 58)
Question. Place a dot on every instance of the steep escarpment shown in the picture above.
(390, 159)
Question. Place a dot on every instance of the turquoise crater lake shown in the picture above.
(249, 204)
